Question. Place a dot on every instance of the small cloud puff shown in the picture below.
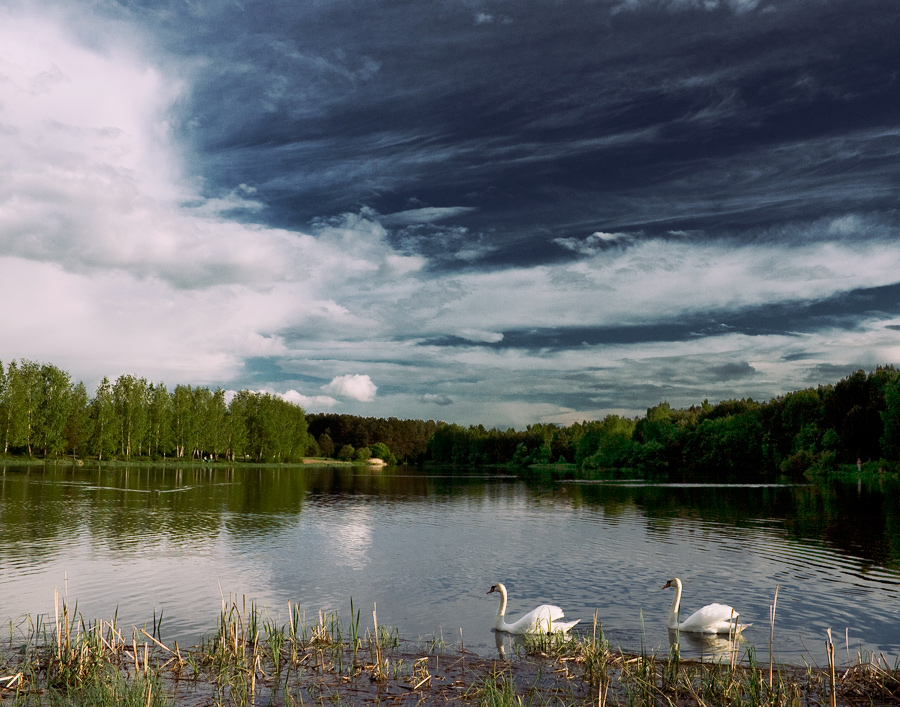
(357, 387)
(590, 245)
(485, 18)
(309, 401)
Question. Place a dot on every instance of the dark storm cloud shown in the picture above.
(563, 118)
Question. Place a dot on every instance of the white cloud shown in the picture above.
(487, 337)
(591, 244)
(309, 402)
(355, 386)
(428, 214)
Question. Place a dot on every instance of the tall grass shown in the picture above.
(252, 658)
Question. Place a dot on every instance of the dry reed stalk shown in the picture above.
(137, 656)
(155, 641)
(12, 680)
(602, 693)
(829, 649)
(254, 661)
(56, 619)
(772, 635)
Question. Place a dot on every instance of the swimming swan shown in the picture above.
(543, 619)
(712, 618)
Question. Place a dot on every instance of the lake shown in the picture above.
(423, 548)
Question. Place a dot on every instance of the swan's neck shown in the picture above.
(676, 603)
(502, 612)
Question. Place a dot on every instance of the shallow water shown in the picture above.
(424, 548)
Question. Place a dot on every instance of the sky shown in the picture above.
(487, 212)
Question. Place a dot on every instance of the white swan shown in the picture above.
(712, 618)
(543, 619)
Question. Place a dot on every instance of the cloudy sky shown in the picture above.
(479, 211)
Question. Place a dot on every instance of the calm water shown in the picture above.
(425, 548)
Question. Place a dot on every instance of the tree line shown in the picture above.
(42, 412)
(811, 430)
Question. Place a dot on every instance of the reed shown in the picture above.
(253, 659)
(496, 689)
(772, 633)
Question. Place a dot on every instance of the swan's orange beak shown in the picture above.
(492, 589)
(667, 585)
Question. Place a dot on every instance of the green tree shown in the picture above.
(326, 445)
(890, 418)
(160, 413)
(78, 424)
(24, 383)
(236, 431)
(184, 422)
(103, 416)
(608, 443)
(380, 450)
(730, 446)
(54, 406)
(209, 411)
(131, 401)
(5, 412)
(346, 453)
(312, 447)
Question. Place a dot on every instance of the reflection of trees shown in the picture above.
(861, 522)
(31, 514)
(41, 508)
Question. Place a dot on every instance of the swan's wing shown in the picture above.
(540, 620)
(712, 618)
(564, 625)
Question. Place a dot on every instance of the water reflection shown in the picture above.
(509, 644)
(705, 645)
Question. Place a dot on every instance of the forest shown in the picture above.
(44, 414)
(811, 430)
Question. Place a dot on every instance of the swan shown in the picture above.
(712, 618)
(545, 618)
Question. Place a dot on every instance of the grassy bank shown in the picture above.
(251, 660)
(171, 462)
